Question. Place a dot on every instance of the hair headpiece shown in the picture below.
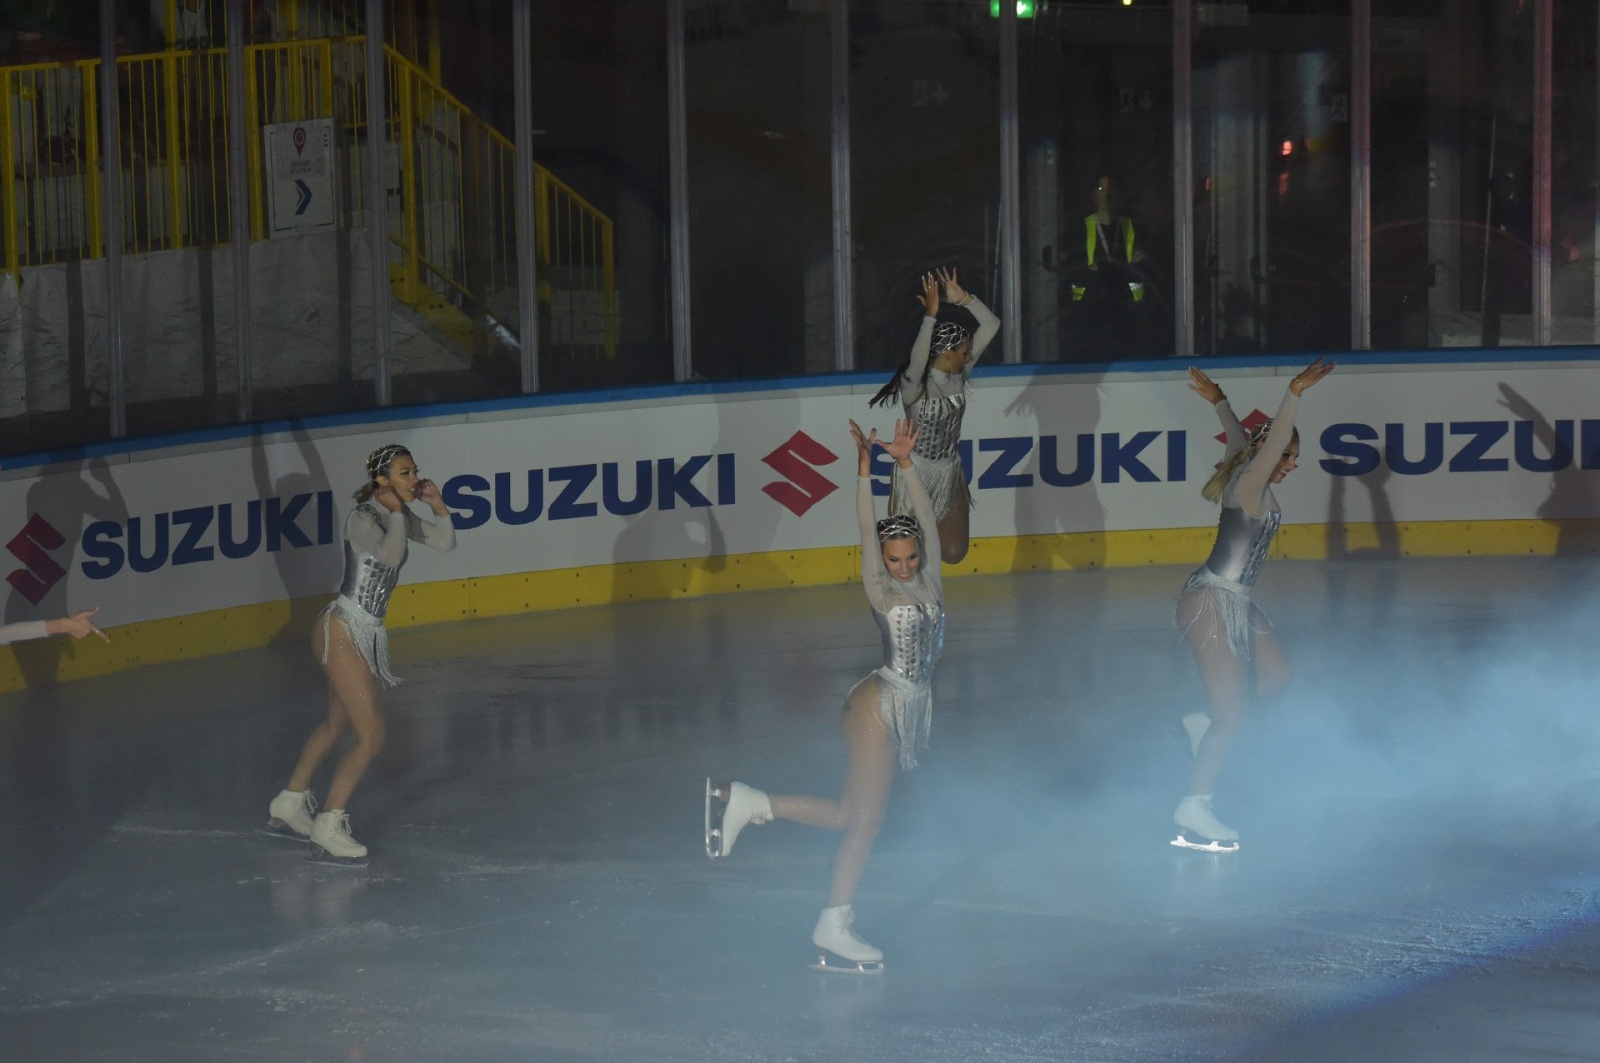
(899, 526)
(947, 336)
(1258, 434)
(379, 460)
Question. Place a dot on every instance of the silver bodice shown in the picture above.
(913, 635)
(1242, 542)
(368, 582)
(938, 417)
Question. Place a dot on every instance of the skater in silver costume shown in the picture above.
(350, 641)
(78, 625)
(1228, 634)
(932, 385)
(888, 713)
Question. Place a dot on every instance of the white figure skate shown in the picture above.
(331, 842)
(290, 815)
(744, 805)
(839, 950)
(1199, 829)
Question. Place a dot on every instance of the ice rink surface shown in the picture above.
(1417, 879)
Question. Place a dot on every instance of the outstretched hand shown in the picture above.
(905, 438)
(1205, 387)
(930, 295)
(1310, 375)
(953, 292)
(78, 625)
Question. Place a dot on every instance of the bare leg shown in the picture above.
(1226, 679)
(953, 534)
(1272, 666)
(352, 705)
(858, 812)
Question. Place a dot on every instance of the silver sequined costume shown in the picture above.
(910, 617)
(374, 551)
(937, 401)
(1222, 608)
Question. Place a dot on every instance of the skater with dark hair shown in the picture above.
(352, 643)
(888, 712)
(78, 625)
(1228, 634)
(932, 385)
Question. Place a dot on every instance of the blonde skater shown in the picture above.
(932, 385)
(350, 640)
(1228, 634)
(887, 715)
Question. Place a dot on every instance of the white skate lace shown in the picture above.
(310, 800)
(341, 827)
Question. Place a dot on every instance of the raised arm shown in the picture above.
(439, 533)
(1252, 482)
(899, 448)
(1235, 438)
(988, 323)
(911, 383)
(872, 570)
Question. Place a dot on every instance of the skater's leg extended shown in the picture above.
(869, 773)
(954, 526)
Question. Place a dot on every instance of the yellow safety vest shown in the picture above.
(1091, 226)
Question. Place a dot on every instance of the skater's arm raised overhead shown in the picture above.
(1234, 437)
(911, 382)
(872, 570)
(988, 323)
(922, 509)
(1250, 487)
(439, 533)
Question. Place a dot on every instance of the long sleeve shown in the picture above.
(382, 536)
(988, 329)
(922, 509)
(438, 534)
(22, 631)
(873, 574)
(1250, 486)
(1235, 438)
(911, 382)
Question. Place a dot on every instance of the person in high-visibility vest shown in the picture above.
(1109, 244)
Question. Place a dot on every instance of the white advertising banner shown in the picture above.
(158, 533)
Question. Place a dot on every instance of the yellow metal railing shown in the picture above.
(451, 222)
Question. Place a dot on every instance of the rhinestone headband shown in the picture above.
(382, 458)
(901, 526)
(947, 336)
(1258, 435)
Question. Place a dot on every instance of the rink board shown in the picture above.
(204, 545)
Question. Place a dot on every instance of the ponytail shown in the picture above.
(1212, 491)
(887, 393)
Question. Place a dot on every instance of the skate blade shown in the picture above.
(327, 859)
(1206, 845)
(713, 834)
(277, 828)
(838, 965)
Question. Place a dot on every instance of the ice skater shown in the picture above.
(350, 640)
(932, 385)
(1228, 633)
(888, 713)
(79, 625)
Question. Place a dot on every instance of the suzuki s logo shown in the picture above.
(793, 461)
(42, 571)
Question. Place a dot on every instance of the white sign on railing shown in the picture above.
(300, 185)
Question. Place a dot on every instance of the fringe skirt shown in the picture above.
(367, 635)
(943, 479)
(1223, 610)
(906, 709)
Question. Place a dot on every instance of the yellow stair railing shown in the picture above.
(451, 221)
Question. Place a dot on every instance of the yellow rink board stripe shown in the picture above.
(248, 627)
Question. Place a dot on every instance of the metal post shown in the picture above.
(844, 303)
(1542, 18)
(527, 249)
(1361, 175)
(678, 191)
(1182, 179)
(1010, 220)
(111, 212)
(238, 204)
(378, 203)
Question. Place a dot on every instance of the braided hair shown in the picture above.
(378, 463)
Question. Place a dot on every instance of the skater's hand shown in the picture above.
(1205, 387)
(1310, 375)
(428, 495)
(864, 444)
(905, 437)
(386, 497)
(78, 625)
(953, 292)
(930, 295)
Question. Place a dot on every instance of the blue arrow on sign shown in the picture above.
(305, 197)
